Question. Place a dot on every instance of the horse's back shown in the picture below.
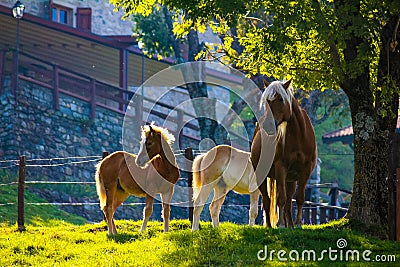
(111, 164)
(238, 172)
(120, 168)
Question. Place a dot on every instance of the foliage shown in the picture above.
(306, 40)
(65, 244)
(152, 32)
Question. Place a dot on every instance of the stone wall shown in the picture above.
(36, 130)
(30, 126)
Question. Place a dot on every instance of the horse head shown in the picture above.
(154, 140)
(278, 96)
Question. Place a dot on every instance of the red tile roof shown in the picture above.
(348, 130)
(345, 135)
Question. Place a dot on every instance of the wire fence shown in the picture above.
(314, 212)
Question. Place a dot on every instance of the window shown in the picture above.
(84, 19)
(61, 14)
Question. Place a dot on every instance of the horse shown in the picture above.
(294, 159)
(153, 171)
(223, 168)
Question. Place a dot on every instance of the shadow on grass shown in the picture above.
(238, 245)
(223, 246)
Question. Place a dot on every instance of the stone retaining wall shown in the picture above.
(30, 126)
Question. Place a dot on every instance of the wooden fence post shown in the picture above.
(21, 187)
(322, 215)
(314, 215)
(15, 72)
(189, 162)
(56, 85)
(92, 99)
(179, 126)
(307, 207)
(2, 67)
(139, 101)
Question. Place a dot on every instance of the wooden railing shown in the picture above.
(97, 93)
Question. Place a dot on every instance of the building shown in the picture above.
(345, 135)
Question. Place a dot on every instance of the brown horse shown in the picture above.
(295, 155)
(153, 171)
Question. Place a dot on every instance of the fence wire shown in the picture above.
(62, 164)
(308, 205)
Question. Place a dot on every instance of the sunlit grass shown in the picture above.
(64, 244)
(34, 214)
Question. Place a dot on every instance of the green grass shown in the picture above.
(63, 244)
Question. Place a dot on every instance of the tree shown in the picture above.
(151, 31)
(353, 45)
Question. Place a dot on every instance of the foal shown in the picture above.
(153, 171)
(223, 168)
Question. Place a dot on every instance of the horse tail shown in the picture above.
(101, 190)
(196, 184)
(273, 208)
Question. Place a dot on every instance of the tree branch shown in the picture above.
(174, 41)
(319, 71)
(330, 41)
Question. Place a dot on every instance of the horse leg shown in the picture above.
(119, 197)
(220, 191)
(301, 191)
(290, 189)
(266, 202)
(253, 212)
(281, 201)
(166, 200)
(108, 209)
(199, 202)
(109, 214)
(147, 211)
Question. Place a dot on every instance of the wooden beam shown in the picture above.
(2, 68)
(92, 99)
(56, 88)
(123, 74)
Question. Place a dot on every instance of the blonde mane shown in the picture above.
(274, 89)
(166, 135)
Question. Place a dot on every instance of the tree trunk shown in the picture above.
(373, 120)
(369, 203)
(209, 128)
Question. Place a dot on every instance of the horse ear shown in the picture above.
(151, 129)
(287, 84)
(266, 83)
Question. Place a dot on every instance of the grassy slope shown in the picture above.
(62, 244)
(34, 214)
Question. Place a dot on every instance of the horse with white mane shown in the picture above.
(223, 168)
